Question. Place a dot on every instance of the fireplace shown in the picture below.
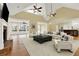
(4, 33)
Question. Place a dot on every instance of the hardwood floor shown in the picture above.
(14, 47)
(7, 47)
(18, 49)
(77, 52)
(76, 38)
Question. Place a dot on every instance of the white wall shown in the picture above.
(1, 37)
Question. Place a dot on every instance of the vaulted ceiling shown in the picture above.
(66, 11)
(18, 7)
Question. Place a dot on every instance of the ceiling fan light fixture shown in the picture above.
(52, 13)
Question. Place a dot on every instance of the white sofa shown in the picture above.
(63, 44)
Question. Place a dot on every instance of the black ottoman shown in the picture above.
(42, 38)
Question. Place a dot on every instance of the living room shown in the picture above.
(47, 27)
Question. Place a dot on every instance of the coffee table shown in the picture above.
(42, 38)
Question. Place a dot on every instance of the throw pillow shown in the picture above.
(65, 38)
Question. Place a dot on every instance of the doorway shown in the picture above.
(5, 33)
(42, 28)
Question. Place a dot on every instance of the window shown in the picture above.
(22, 26)
(14, 27)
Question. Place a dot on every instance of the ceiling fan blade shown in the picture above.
(34, 7)
(40, 8)
(34, 11)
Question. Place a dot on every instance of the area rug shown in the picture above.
(45, 49)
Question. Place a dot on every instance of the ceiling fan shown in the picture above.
(36, 8)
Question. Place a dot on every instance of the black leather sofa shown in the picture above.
(42, 38)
